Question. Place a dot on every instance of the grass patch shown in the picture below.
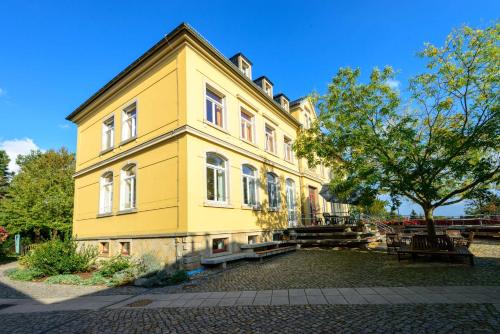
(20, 274)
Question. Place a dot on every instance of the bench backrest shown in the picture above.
(439, 242)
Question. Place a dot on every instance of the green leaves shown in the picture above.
(40, 196)
(435, 153)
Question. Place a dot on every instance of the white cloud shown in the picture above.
(14, 147)
(394, 84)
(2, 92)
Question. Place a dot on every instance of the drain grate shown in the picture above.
(140, 303)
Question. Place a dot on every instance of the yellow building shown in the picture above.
(183, 155)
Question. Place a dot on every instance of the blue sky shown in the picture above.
(55, 54)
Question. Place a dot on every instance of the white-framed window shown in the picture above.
(287, 143)
(129, 122)
(270, 139)
(247, 126)
(273, 191)
(284, 103)
(268, 89)
(307, 124)
(216, 167)
(291, 202)
(246, 69)
(214, 108)
(106, 193)
(108, 133)
(128, 187)
(249, 179)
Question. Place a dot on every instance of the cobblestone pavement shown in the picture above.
(321, 268)
(426, 318)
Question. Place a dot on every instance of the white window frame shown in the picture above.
(215, 168)
(246, 180)
(285, 104)
(222, 105)
(132, 192)
(266, 135)
(106, 202)
(125, 118)
(246, 68)
(108, 131)
(287, 143)
(268, 88)
(276, 184)
(247, 122)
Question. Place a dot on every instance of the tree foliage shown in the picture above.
(484, 203)
(5, 174)
(39, 200)
(436, 149)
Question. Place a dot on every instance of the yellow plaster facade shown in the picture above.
(165, 208)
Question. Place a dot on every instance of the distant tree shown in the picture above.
(438, 150)
(39, 201)
(376, 208)
(413, 214)
(484, 203)
(5, 174)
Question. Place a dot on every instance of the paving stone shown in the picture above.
(280, 293)
(296, 292)
(336, 299)
(233, 294)
(355, 299)
(375, 299)
(264, 293)
(262, 300)
(313, 292)
(316, 299)
(248, 294)
(383, 290)
(330, 291)
(227, 301)
(194, 302)
(396, 299)
(415, 298)
(210, 302)
(298, 300)
(400, 290)
(244, 301)
(217, 294)
(277, 300)
(435, 298)
(366, 291)
(177, 302)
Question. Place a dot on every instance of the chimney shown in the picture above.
(243, 63)
(266, 85)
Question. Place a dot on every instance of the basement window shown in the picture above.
(104, 248)
(252, 239)
(219, 245)
(125, 248)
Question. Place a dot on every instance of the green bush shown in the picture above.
(60, 257)
(114, 265)
(23, 274)
(148, 265)
(64, 279)
(178, 277)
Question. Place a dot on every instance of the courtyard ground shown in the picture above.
(311, 290)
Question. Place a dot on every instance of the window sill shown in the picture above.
(249, 142)
(216, 127)
(248, 207)
(272, 153)
(126, 141)
(103, 215)
(218, 205)
(127, 211)
(273, 209)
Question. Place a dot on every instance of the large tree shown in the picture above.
(5, 174)
(39, 201)
(438, 148)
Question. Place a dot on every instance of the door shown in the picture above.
(291, 203)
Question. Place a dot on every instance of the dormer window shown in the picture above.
(245, 68)
(268, 89)
(243, 64)
(283, 101)
(284, 104)
(265, 84)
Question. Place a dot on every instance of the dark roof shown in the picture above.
(233, 58)
(259, 79)
(164, 42)
(297, 101)
(277, 96)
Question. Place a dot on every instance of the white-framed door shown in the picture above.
(291, 203)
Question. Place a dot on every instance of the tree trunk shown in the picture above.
(429, 220)
(38, 234)
(54, 234)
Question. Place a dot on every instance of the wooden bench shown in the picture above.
(440, 245)
(223, 259)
